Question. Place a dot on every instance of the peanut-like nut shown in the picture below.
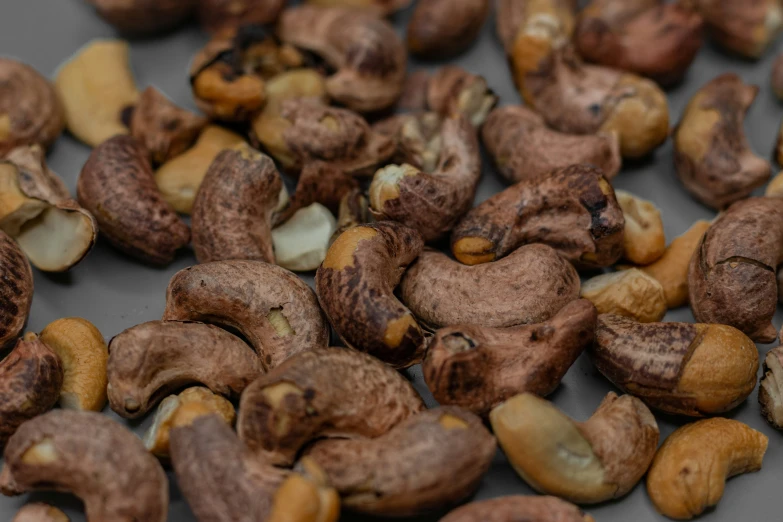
(771, 388)
(644, 240)
(518, 507)
(445, 28)
(631, 293)
(742, 27)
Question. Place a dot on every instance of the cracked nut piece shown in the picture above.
(144, 16)
(429, 461)
(712, 155)
(630, 293)
(118, 187)
(445, 28)
(369, 57)
(98, 91)
(584, 462)
(644, 240)
(83, 353)
(771, 388)
(92, 457)
(524, 148)
(518, 507)
(224, 16)
(477, 368)
(573, 210)
(302, 241)
(16, 289)
(30, 110)
(152, 360)
(40, 512)
(329, 392)
(679, 368)
(744, 27)
(690, 470)
(271, 307)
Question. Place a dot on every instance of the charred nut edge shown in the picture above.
(631, 293)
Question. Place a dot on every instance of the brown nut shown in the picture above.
(144, 16)
(429, 461)
(680, 368)
(617, 33)
(152, 360)
(30, 380)
(452, 89)
(524, 148)
(16, 289)
(744, 27)
(223, 16)
(30, 111)
(319, 182)
(528, 286)
(39, 512)
(712, 155)
(771, 388)
(445, 28)
(354, 211)
(369, 56)
(329, 392)
(431, 203)
(417, 138)
(732, 275)
(776, 77)
(690, 470)
(92, 457)
(630, 293)
(477, 368)
(584, 462)
(518, 507)
(644, 240)
(573, 209)
(271, 307)
(381, 7)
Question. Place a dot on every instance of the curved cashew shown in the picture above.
(644, 240)
(445, 28)
(631, 293)
(771, 388)
(39, 512)
(518, 507)
(144, 16)
(743, 28)
(16, 289)
(223, 16)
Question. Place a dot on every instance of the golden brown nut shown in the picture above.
(144, 16)
(223, 16)
(39, 512)
(644, 240)
(382, 7)
(518, 507)
(16, 289)
(744, 27)
(630, 293)
(445, 28)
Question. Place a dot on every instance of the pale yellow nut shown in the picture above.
(644, 240)
(301, 242)
(631, 293)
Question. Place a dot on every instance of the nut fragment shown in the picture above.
(445, 28)
(518, 507)
(144, 16)
(222, 16)
(631, 293)
(690, 470)
(584, 462)
(741, 26)
(301, 242)
(644, 240)
(771, 388)
(16, 289)
(39, 512)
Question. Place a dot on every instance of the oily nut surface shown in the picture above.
(16, 289)
(518, 507)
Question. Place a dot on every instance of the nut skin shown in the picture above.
(144, 17)
(429, 461)
(573, 210)
(149, 361)
(644, 238)
(355, 286)
(30, 111)
(92, 457)
(678, 368)
(630, 293)
(320, 182)
(452, 89)
(518, 507)
(771, 388)
(271, 307)
(16, 289)
(39, 512)
(445, 28)
(369, 57)
(583, 462)
(528, 286)
(329, 392)
(732, 275)
(712, 156)
(223, 16)
(118, 187)
(524, 148)
(690, 469)
(743, 27)
(478, 368)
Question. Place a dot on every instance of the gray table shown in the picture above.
(115, 292)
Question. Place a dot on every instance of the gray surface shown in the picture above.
(115, 292)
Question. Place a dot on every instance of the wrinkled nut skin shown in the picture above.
(690, 469)
(355, 286)
(117, 186)
(369, 56)
(452, 89)
(771, 388)
(679, 368)
(518, 507)
(442, 292)
(331, 392)
(644, 240)
(630, 293)
(16, 289)
(30, 110)
(149, 361)
(524, 148)
(39, 512)
(478, 368)
(712, 156)
(429, 461)
(144, 16)
(221, 16)
(445, 28)
(319, 182)
(732, 275)
(271, 307)
(744, 27)
(573, 210)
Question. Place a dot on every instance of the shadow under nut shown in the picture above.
(518, 507)
(16, 289)
(445, 28)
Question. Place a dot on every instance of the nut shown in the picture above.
(630, 293)
(775, 187)
(39, 512)
(152, 360)
(712, 155)
(445, 28)
(429, 461)
(431, 203)
(771, 388)
(354, 211)
(524, 148)
(518, 507)
(417, 138)
(477, 368)
(680, 368)
(329, 392)
(644, 239)
(301, 242)
(16, 289)
(528, 286)
(83, 354)
(98, 91)
(91, 456)
(452, 89)
(30, 111)
(573, 210)
(30, 380)
(320, 182)
(381, 7)
(690, 470)
(355, 286)
(742, 27)
(776, 77)
(223, 16)
(369, 56)
(144, 16)
(732, 275)
(584, 462)
(271, 307)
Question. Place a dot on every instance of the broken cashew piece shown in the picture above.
(771, 388)
(16, 289)
(631, 293)
(301, 242)
(39, 512)
(644, 240)
(518, 507)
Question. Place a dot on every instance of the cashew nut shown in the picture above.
(445, 28)
(382, 7)
(223, 16)
(301, 242)
(742, 27)
(417, 138)
(644, 240)
(144, 16)
(631, 293)
(518, 507)
(771, 388)
(354, 211)
(319, 182)
(39, 512)
(16, 289)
